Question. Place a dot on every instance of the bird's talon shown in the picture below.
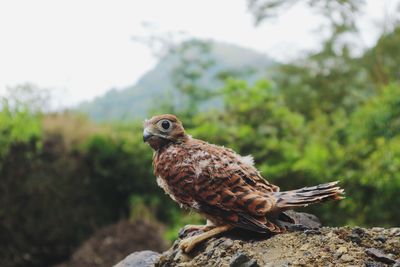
(186, 245)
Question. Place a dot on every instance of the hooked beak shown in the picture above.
(146, 135)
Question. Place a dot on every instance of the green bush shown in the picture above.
(56, 189)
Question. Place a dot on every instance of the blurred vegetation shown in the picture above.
(328, 116)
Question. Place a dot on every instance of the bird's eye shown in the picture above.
(165, 124)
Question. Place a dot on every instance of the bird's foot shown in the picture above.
(192, 230)
(189, 243)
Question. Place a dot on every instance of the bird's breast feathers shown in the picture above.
(200, 157)
(183, 169)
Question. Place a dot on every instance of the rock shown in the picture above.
(242, 260)
(381, 239)
(358, 231)
(327, 247)
(304, 247)
(374, 264)
(312, 232)
(144, 258)
(226, 244)
(395, 231)
(180, 256)
(355, 238)
(379, 255)
(356, 235)
(341, 250)
(303, 220)
(297, 228)
(346, 258)
(330, 235)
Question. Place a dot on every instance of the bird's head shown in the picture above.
(163, 129)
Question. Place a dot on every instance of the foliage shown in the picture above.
(334, 78)
(381, 61)
(26, 97)
(17, 127)
(57, 186)
(373, 143)
(339, 13)
(320, 83)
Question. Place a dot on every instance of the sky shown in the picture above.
(79, 49)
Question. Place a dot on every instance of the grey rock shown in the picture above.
(226, 244)
(239, 259)
(312, 232)
(242, 260)
(144, 258)
(374, 264)
(355, 238)
(381, 239)
(306, 219)
(379, 255)
(297, 228)
(358, 231)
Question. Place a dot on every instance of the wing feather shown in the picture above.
(233, 190)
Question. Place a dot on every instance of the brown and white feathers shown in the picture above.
(220, 184)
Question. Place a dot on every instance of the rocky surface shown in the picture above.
(313, 247)
(144, 258)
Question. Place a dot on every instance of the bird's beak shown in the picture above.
(146, 135)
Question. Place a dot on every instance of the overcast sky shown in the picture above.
(82, 48)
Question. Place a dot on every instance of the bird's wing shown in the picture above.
(228, 188)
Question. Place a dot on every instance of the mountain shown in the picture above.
(134, 101)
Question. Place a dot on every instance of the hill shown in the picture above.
(134, 101)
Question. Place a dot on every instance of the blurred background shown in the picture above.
(309, 88)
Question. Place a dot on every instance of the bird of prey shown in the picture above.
(221, 185)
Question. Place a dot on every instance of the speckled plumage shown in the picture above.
(220, 184)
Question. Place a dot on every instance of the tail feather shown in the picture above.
(308, 195)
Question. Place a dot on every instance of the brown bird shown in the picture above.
(220, 184)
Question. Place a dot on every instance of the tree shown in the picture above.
(340, 13)
(26, 97)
